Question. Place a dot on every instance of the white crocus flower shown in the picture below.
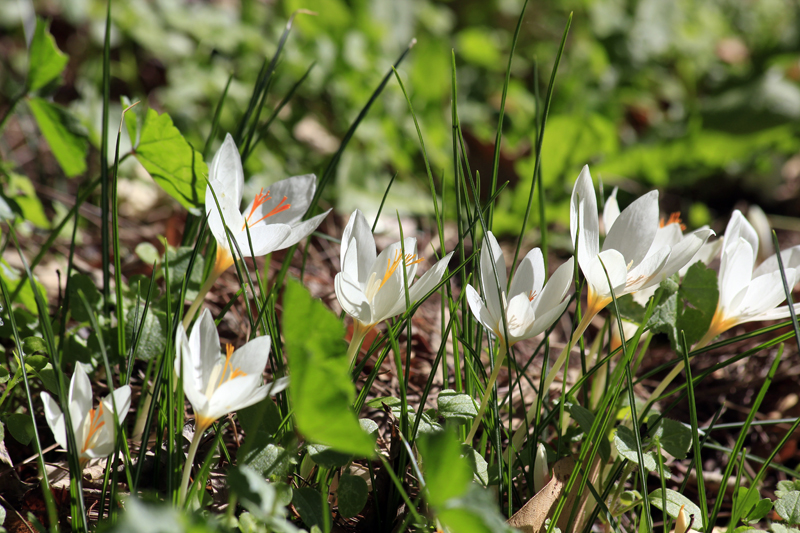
(370, 287)
(747, 294)
(530, 306)
(528, 309)
(631, 258)
(669, 233)
(634, 254)
(218, 384)
(94, 429)
(272, 221)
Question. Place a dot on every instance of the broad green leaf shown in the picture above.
(674, 502)
(265, 500)
(46, 61)
(171, 161)
(479, 465)
(179, 259)
(20, 197)
(328, 457)
(630, 309)
(777, 527)
(456, 406)
(260, 423)
(447, 472)
(34, 345)
(759, 511)
(20, 427)
(153, 340)
(271, 461)
(474, 512)
(134, 119)
(788, 507)
(625, 441)
(675, 438)
(308, 503)
(321, 390)
(787, 486)
(64, 134)
(699, 289)
(352, 495)
(13, 278)
(743, 506)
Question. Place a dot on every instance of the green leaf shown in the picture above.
(786, 486)
(456, 406)
(153, 339)
(741, 505)
(134, 119)
(447, 472)
(20, 427)
(776, 527)
(699, 289)
(759, 511)
(308, 503)
(46, 61)
(674, 502)
(64, 134)
(21, 198)
(474, 512)
(179, 259)
(34, 345)
(479, 465)
(328, 457)
(625, 441)
(675, 438)
(171, 161)
(265, 500)
(352, 495)
(271, 461)
(321, 390)
(630, 309)
(788, 507)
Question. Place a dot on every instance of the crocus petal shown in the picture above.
(228, 209)
(617, 273)
(303, 229)
(55, 419)
(80, 392)
(192, 388)
(735, 272)
(277, 386)
(705, 254)
(357, 228)
(738, 227)
(685, 251)
(634, 230)
(545, 320)
(122, 399)
(764, 293)
(669, 235)
(649, 272)
(297, 191)
(556, 289)
(203, 352)
(529, 276)
(789, 257)
(519, 316)
(610, 210)
(429, 279)
(235, 394)
(778, 313)
(489, 283)
(252, 357)
(583, 211)
(266, 238)
(352, 298)
(479, 310)
(226, 170)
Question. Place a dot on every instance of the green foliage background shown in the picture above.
(652, 93)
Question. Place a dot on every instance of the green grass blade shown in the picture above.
(104, 178)
(538, 152)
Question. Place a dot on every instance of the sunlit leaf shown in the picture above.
(46, 61)
(65, 135)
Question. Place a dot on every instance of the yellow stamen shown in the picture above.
(392, 264)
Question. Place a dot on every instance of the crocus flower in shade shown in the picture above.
(748, 293)
(94, 429)
(274, 219)
(529, 308)
(371, 288)
(541, 471)
(218, 384)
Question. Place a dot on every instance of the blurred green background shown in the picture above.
(701, 98)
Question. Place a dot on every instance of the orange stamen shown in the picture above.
(95, 415)
(531, 296)
(235, 372)
(259, 199)
(280, 208)
(674, 218)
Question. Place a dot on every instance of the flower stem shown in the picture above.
(223, 262)
(487, 393)
(519, 435)
(359, 332)
(187, 467)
